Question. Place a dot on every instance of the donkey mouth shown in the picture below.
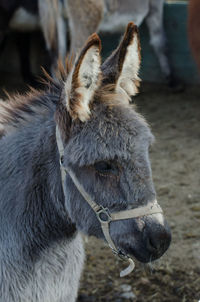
(150, 247)
(143, 254)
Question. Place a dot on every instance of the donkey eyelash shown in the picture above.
(106, 169)
(107, 175)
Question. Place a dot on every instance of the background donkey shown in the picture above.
(112, 16)
(80, 18)
(105, 144)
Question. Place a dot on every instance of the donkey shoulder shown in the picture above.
(54, 277)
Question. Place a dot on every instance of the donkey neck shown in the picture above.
(32, 201)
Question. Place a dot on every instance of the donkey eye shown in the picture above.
(103, 167)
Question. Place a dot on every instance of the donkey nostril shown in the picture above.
(152, 245)
(158, 241)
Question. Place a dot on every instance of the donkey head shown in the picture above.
(106, 145)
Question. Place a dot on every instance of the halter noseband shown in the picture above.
(105, 217)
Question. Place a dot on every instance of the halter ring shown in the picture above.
(105, 213)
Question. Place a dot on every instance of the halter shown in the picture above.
(103, 214)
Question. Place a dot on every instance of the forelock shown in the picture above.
(113, 130)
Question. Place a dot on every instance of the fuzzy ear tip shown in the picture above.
(94, 40)
(131, 31)
(132, 27)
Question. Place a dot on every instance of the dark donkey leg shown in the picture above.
(23, 46)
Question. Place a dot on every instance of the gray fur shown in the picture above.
(119, 135)
(41, 253)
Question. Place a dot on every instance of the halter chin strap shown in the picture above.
(105, 217)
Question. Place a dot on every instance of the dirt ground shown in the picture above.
(175, 157)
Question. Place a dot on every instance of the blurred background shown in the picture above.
(37, 33)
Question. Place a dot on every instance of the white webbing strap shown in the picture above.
(152, 208)
(106, 232)
(85, 195)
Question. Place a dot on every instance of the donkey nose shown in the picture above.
(158, 238)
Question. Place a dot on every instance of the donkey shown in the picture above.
(105, 154)
(112, 16)
(27, 16)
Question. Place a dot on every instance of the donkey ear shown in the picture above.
(84, 80)
(122, 67)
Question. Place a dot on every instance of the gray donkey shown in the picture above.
(108, 176)
(112, 16)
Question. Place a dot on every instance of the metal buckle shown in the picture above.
(103, 211)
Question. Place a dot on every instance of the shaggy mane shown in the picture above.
(19, 107)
